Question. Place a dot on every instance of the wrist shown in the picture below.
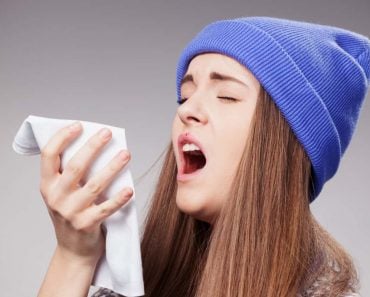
(67, 275)
(76, 260)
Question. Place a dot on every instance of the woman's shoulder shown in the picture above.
(104, 292)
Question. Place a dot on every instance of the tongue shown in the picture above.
(191, 167)
(194, 160)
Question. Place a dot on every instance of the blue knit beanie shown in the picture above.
(317, 75)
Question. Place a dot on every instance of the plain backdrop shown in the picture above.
(114, 62)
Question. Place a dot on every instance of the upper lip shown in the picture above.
(183, 138)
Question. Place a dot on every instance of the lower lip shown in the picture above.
(182, 177)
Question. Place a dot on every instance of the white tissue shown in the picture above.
(120, 267)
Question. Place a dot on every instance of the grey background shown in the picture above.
(114, 62)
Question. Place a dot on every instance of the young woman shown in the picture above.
(267, 108)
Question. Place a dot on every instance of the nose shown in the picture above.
(193, 111)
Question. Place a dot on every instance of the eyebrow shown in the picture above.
(213, 76)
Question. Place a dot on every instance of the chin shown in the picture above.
(194, 207)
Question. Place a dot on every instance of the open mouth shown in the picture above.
(192, 156)
(193, 161)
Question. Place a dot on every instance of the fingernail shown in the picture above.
(124, 155)
(128, 192)
(104, 133)
(75, 126)
(126, 195)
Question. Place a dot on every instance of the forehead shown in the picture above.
(207, 62)
(218, 68)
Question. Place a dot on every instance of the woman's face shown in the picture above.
(219, 126)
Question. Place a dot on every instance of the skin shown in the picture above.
(220, 125)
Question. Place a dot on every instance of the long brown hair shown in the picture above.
(265, 241)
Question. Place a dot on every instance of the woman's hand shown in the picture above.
(76, 218)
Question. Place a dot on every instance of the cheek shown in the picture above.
(232, 141)
(236, 131)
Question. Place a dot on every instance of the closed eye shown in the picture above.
(228, 98)
(182, 100)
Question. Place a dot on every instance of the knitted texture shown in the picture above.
(317, 75)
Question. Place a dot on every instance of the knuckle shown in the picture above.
(55, 202)
(94, 143)
(114, 166)
(116, 203)
(104, 210)
(67, 132)
(74, 169)
(66, 214)
(95, 221)
(94, 187)
(48, 191)
(80, 224)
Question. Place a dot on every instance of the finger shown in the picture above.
(102, 179)
(50, 159)
(80, 162)
(96, 214)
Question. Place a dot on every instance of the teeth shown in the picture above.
(190, 147)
